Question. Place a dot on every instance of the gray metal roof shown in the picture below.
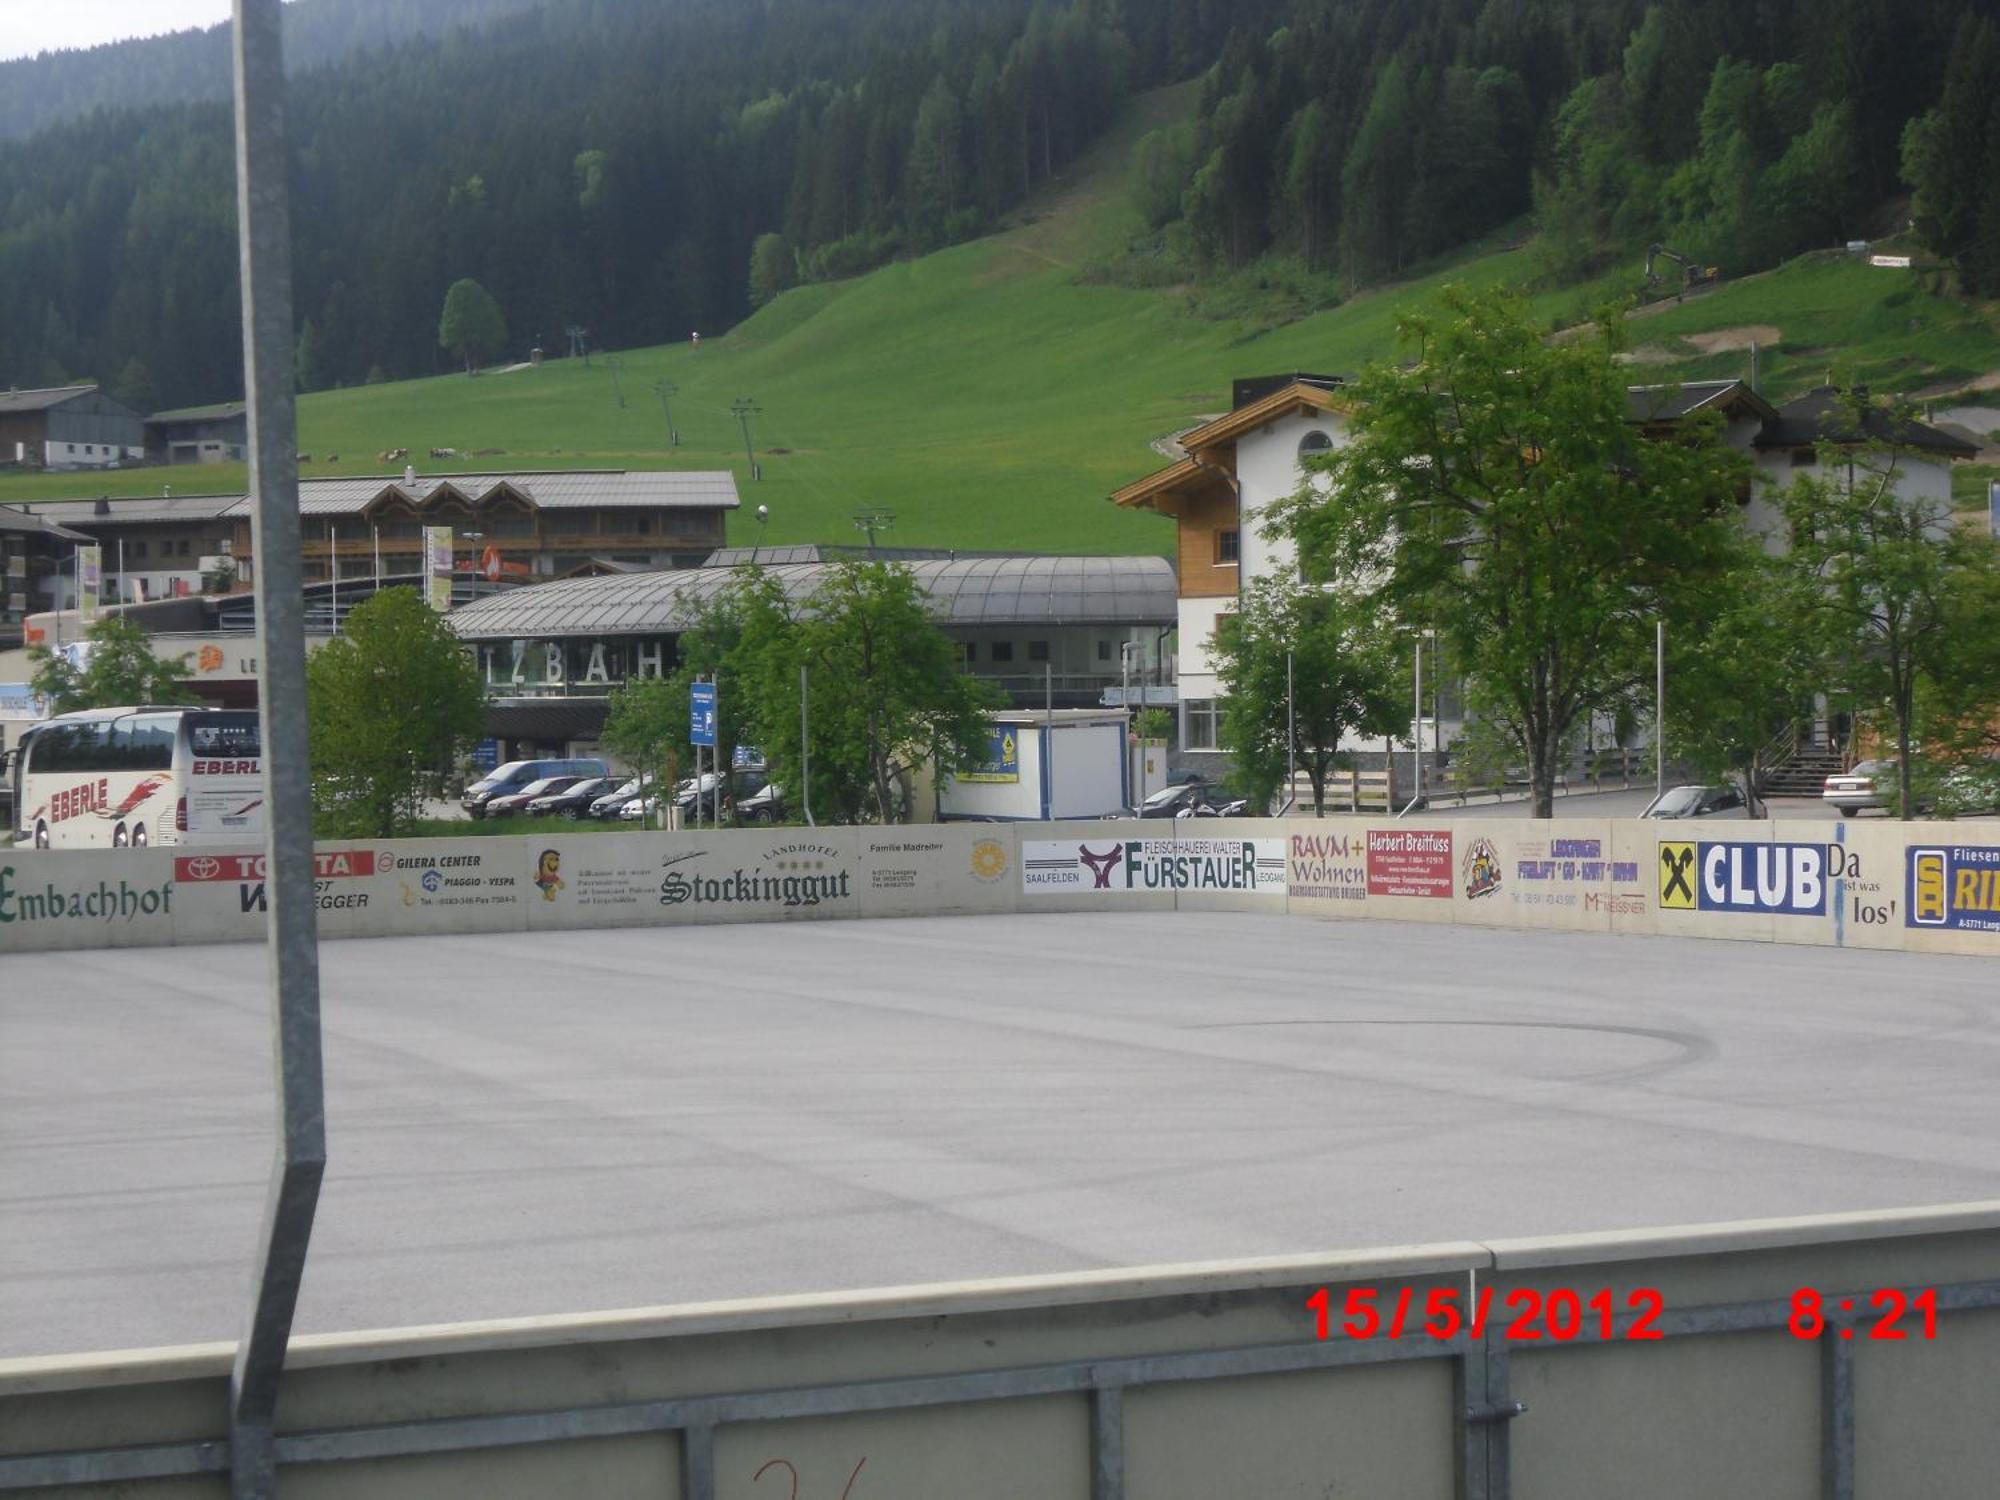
(649, 489)
(142, 508)
(25, 523)
(41, 400)
(215, 411)
(981, 591)
(610, 489)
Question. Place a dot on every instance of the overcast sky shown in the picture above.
(30, 26)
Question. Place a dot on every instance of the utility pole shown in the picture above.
(873, 519)
(666, 389)
(763, 515)
(743, 409)
(805, 752)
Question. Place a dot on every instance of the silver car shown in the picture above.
(1869, 784)
(1698, 802)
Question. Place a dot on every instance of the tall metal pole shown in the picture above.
(333, 577)
(1659, 706)
(805, 753)
(1291, 738)
(1125, 702)
(264, 246)
(1417, 738)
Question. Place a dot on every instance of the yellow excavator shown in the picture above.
(1693, 273)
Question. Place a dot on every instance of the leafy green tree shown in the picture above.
(645, 725)
(885, 684)
(393, 700)
(119, 670)
(1344, 679)
(1901, 595)
(472, 326)
(1496, 492)
(1742, 672)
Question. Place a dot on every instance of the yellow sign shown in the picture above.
(1677, 876)
(1003, 759)
(1928, 905)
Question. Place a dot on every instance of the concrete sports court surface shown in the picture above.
(540, 1124)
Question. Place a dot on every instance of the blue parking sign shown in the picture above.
(701, 713)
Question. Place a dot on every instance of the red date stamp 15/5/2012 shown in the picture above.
(1530, 1314)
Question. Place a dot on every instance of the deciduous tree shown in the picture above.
(118, 668)
(471, 326)
(1495, 490)
(1343, 679)
(887, 691)
(393, 700)
(1901, 596)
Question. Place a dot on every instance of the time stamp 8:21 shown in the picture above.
(1526, 1314)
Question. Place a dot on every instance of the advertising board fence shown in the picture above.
(1924, 887)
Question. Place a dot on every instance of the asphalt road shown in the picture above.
(538, 1124)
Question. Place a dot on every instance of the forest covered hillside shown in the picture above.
(994, 394)
(182, 66)
(630, 171)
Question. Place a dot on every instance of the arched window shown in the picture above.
(1314, 442)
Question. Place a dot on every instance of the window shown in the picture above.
(1198, 724)
(1314, 442)
(1802, 458)
(1226, 546)
(1038, 651)
(1104, 651)
(1003, 651)
(138, 549)
(968, 652)
(181, 548)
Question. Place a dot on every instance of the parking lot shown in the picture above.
(535, 1124)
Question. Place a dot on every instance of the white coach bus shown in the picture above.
(115, 778)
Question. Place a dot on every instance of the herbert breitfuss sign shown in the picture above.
(1255, 866)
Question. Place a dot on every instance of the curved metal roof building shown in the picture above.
(973, 591)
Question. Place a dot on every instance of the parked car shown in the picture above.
(635, 808)
(518, 775)
(1872, 783)
(573, 803)
(695, 797)
(765, 805)
(1698, 802)
(609, 805)
(514, 803)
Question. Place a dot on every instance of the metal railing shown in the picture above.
(1484, 1409)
